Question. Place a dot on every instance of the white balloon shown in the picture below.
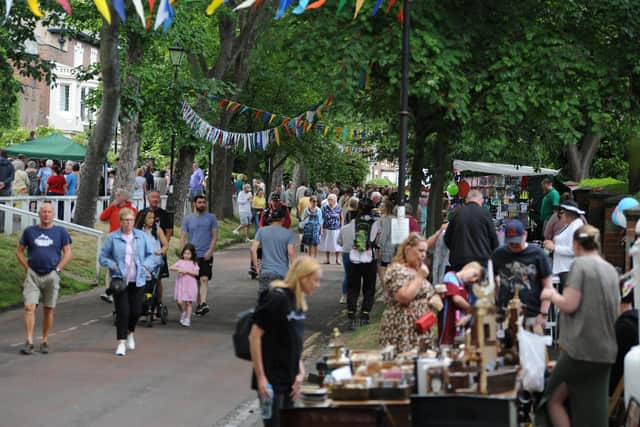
(621, 219)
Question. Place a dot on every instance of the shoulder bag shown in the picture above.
(117, 285)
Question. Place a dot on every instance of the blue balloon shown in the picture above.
(614, 215)
(627, 203)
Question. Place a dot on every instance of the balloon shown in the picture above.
(617, 216)
(452, 189)
(463, 189)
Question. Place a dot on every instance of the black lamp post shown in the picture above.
(177, 55)
(404, 112)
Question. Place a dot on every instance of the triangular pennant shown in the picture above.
(302, 6)
(35, 8)
(102, 7)
(359, 4)
(317, 4)
(282, 8)
(65, 5)
(256, 4)
(8, 6)
(152, 6)
(118, 5)
(340, 6)
(390, 5)
(165, 13)
(245, 4)
(137, 4)
(376, 7)
(213, 6)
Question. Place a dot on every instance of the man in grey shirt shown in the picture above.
(278, 250)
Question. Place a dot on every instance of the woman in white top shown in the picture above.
(244, 211)
(562, 244)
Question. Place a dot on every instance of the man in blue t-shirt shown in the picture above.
(278, 250)
(49, 250)
(201, 230)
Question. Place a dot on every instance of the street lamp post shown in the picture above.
(177, 55)
(404, 112)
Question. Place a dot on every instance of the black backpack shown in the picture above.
(362, 240)
(243, 329)
(241, 334)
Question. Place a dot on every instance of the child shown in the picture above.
(186, 289)
(456, 298)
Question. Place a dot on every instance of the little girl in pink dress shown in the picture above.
(186, 289)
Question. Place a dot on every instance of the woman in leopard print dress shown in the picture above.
(407, 292)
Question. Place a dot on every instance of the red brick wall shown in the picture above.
(613, 237)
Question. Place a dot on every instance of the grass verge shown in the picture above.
(366, 338)
(80, 273)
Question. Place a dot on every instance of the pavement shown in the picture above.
(176, 376)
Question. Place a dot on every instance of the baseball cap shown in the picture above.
(513, 232)
(570, 205)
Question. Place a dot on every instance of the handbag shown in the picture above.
(117, 285)
(425, 322)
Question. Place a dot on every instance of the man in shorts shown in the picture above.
(201, 230)
(49, 250)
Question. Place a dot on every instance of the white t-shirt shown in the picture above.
(129, 260)
(563, 255)
(244, 202)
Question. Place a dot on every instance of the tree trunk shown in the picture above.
(105, 125)
(299, 174)
(277, 174)
(130, 123)
(633, 150)
(217, 174)
(185, 159)
(581, 158)
(438, 175)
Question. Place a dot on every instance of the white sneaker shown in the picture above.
(343, 299)
(121, 350)
(186, 322)
(236, 232)
(131, 342)
(183, 316)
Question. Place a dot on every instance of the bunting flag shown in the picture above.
(118, 5)
(35, 8)
(302, 6)
(284, 4)
(65, 5)
(317, 4)
(359, 4)
(8, 6)
(137, 4)
(390, 5)
(340, 6)
(102, 7)
(164, 16)
(245, 4)
(213, 6)
(376, 7)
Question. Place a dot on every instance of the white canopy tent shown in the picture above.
(501, 169)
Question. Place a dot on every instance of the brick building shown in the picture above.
(61, 105)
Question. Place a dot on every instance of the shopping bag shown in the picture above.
(533, 359)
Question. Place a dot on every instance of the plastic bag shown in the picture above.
(532, 359)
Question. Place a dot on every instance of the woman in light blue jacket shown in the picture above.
(128, 254)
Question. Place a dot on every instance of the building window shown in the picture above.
(64, 97)
(85, 110)
(78, 55)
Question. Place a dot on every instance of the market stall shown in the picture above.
(510, 191)
(476, 382)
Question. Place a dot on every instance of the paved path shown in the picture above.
(176, 376)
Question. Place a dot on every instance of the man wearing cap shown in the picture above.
(562, 243)
(471, 234)
(275, 203)
(278, 250)
(520, 265)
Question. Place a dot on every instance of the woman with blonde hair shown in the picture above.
(276, 336)
(140, 188)
(407, 293)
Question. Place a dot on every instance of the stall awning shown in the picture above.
(501, 169)
(54, 147)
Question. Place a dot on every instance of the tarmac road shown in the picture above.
(175, 377)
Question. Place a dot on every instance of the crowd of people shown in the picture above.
(353, 229)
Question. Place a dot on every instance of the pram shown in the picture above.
(151, 304)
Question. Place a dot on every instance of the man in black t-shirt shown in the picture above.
(517, 264)
(163, 220)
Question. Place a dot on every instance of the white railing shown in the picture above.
(67, 204)
(24, 218)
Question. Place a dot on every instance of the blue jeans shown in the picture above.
(346, 263)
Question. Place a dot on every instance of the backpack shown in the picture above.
(241, 334)
(362, 240)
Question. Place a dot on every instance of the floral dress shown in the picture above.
(312, 222)
(398, 320)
